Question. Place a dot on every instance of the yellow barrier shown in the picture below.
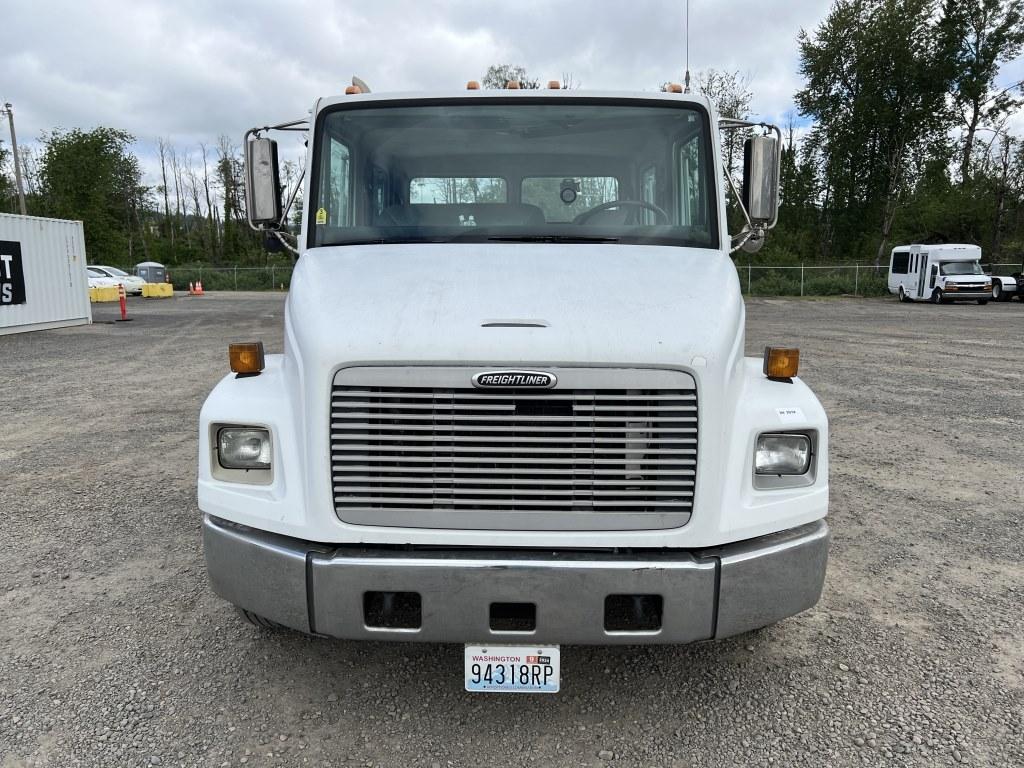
(103, 294)
(158, 290)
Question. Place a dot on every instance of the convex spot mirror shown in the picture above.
(761, 179)
(263, 182)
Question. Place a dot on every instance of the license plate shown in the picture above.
(512, 668)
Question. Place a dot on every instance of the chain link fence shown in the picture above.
(274, 277)
(755, 280)
(825, 280)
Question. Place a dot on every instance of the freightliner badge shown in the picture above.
(515, 379)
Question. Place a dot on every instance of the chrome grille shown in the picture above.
(563, 459)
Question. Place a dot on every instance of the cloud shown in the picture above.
(192, 70)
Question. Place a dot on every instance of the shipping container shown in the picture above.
(42, 274)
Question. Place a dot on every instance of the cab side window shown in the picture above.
(693, 204)
(336, 185)
(900, 261)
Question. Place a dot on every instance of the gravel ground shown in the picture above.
(113, 650)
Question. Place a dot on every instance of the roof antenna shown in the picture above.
(686, 80)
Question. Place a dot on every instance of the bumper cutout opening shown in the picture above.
(513, 617)
(633, 613)
(392, 610)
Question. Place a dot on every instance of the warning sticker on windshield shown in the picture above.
(321, 216)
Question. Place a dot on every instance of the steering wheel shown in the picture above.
(637, 205)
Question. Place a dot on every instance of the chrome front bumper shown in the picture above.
(966, 295)
(704, 594)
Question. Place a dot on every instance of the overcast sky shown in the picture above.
(191, 70)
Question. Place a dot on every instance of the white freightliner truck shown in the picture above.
(513, 409)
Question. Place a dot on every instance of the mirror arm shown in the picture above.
(295, 193)
(280, 237)
(749, 230)
(302, 124)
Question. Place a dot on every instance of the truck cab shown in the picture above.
(938, 273)
(513, 403)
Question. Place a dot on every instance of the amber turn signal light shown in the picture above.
(246, 359)
(781, 362)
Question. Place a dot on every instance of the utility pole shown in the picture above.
(17, 160)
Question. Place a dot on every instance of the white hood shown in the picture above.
(598, 303)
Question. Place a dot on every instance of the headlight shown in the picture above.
(243, 448)
(779, 454)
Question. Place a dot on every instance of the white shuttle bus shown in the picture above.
(938, 273)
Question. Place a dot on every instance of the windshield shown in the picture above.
(515, 170)
(115, 272)
(960, 268)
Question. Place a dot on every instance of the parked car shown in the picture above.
(1005, 287)
(132, 283)
(99, 279)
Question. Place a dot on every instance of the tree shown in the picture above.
(91, 176)
(983, 35)
(237, 241)
(211, 211)
(7, 190)
(878, 73)
(162, 149)
(797, 230)
(730, 93)
(499, 75)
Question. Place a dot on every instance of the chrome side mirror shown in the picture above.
(760, 194)
(262, 183)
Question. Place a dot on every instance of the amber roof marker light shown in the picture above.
(246, 358)
(781, 363)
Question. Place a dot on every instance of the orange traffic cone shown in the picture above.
(191, 289)
(199, 287)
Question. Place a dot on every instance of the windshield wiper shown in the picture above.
(552, 239)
